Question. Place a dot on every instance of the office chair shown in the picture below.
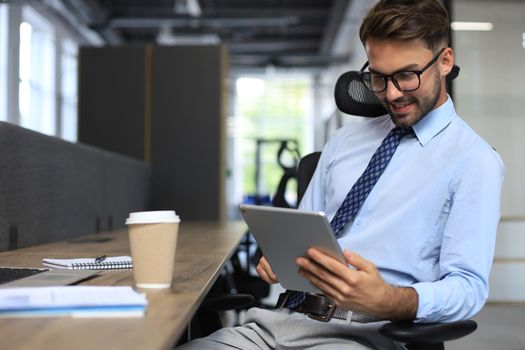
(352, 97)
(289, 174)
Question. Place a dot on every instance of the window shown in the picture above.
(3, 62)
(37, 73)
(267, 111)
(68, 93)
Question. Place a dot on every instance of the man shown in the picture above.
(419, 244)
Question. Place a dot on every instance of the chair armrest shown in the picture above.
(227, 302)
(420, 333)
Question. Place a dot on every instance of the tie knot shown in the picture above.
(402, 130)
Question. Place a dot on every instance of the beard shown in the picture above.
(423, 105)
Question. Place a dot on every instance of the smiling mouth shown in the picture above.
(400, 108)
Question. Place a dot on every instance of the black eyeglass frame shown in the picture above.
(386, 77)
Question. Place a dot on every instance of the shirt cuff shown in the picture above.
(426, 302)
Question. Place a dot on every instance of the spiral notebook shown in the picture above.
(111, 262)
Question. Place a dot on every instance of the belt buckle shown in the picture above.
(323, 318)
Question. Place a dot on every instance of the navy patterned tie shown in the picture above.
(360, 190)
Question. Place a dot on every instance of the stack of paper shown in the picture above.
(75, 301)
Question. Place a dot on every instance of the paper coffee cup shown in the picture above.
(153, 241)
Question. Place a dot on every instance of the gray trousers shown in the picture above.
(285, 329)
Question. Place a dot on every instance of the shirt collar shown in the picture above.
(434, 122)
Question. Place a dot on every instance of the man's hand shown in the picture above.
(265, 271)
(361, 289)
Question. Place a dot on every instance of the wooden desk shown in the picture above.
(202, 250)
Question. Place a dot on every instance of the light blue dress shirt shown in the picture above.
(430, 221)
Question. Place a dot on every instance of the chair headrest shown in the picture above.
(352, 97)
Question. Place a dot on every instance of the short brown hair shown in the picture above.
(406, 20)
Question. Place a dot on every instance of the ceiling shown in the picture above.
(257, 33)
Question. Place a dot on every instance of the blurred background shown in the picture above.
(240, 80)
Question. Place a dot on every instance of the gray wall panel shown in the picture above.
(186, 127)
(127, 187)
(52, 187)
(53, 190)
(187, 144)
(111, 99)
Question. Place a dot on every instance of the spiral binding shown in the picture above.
(105, 265)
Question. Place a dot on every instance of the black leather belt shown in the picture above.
(320, 308)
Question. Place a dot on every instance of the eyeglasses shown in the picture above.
(405, 81)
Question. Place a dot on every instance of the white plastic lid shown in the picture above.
(153, 217)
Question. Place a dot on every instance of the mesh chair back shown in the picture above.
(352, 97)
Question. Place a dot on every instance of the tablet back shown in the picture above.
(285, 234)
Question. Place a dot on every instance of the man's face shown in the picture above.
(388, 57)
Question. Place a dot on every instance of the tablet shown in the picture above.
(285, 234)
